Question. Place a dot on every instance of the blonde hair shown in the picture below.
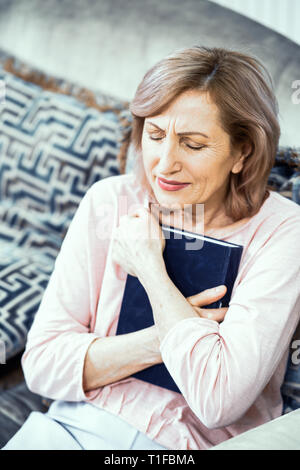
(242, 89)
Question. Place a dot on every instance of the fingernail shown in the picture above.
(219, 289)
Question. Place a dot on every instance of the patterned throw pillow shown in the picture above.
(53, 147)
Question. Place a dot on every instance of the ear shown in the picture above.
(242, 154)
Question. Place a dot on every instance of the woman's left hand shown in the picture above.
(138, 242)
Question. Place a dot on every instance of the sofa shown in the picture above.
(68, 70)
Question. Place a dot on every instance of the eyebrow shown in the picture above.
(179, 133)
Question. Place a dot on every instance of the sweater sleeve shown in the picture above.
(222, 368)
(60, 335)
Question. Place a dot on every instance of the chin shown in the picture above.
(170, 201)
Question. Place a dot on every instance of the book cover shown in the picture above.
(215, 262)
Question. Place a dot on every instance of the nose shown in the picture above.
(169, 158)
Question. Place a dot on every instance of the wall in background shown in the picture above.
(280, 15)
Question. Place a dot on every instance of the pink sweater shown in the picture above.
(229, 374)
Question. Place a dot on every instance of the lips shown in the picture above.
(171, 185)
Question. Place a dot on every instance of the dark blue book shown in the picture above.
(194, 263)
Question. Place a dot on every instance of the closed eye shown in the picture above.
(188, 145)
(195, 148)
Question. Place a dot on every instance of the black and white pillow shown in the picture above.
(53, 147)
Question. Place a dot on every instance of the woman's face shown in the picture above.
(186, 144)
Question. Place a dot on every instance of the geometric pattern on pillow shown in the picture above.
(53, 147)
(24, 277)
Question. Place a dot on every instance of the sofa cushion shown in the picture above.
(53, 146)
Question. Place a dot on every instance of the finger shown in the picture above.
(117, 259)
(216, 314)
(207, 296)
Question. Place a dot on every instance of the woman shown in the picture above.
(205, 131)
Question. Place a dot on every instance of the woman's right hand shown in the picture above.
(206, 297)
